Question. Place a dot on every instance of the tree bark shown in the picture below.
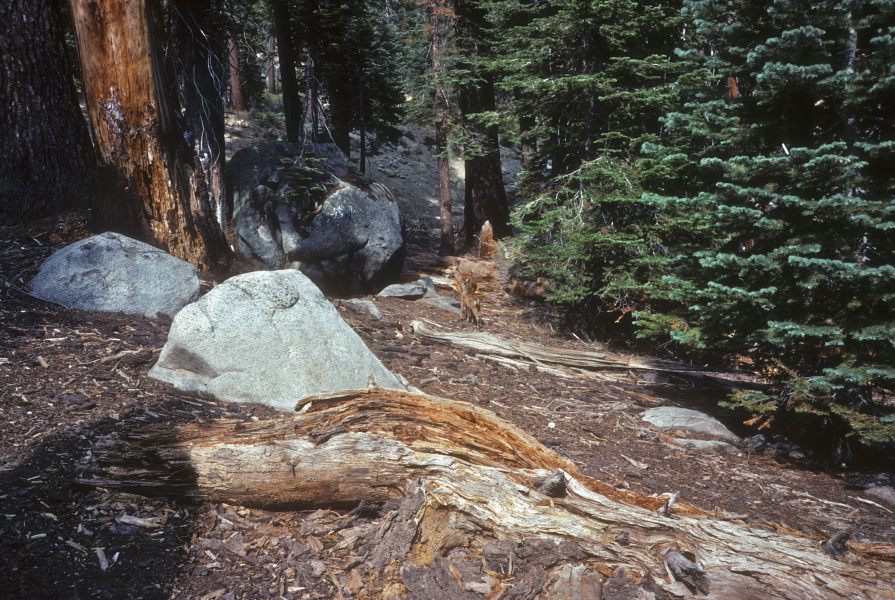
(201, 88)
(46, 158)
(155, 185)
(362, 124)
(286, 50)
(271, 64)
(485, 198)
(237, 99)
(528, 142)
(446, 246)
(477, 507)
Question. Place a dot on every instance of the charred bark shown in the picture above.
(46, 158)
(469, 507)
(155, 185)
(485, 197)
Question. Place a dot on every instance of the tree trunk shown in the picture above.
(271, 64)
(286, 49)
(201, 88)
(446, 247)
(237, 99)
(485, 197)
(156, 186)
(529, 142)
(46, 158)
(362, 124)
(477, 507)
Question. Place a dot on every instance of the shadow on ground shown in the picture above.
(59, 540)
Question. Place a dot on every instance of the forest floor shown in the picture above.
(68, 377)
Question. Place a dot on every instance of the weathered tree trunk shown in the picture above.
(237, 99)
(271, 64)
(477, 507)
(286, 53)
(446, 246)
(46, 159)
(485, 197)
(156, 187)
(201, 86)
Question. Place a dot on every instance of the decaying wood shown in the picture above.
(493, 344)
(154, 184)
(464, 516)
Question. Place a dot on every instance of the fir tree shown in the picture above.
(783, 222)
(588, 81)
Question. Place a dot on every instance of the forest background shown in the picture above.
(707, 179)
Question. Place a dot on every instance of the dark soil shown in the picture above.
(68, 377)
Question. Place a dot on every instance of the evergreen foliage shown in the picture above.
(782, 210)
(350, 49)
(248, 24)
(592, 79)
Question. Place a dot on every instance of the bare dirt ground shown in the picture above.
(68, 377)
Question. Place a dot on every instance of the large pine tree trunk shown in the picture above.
(155, 186)
(435, 10)
(485, 196)
(286, 53)
(479, 509)
(46, 159)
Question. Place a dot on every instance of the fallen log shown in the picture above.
(537, 353)
(476, 508)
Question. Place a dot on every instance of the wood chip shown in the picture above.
(153, 523)
(103, 561)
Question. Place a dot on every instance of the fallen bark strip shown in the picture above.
(467, 517)
(493, 344)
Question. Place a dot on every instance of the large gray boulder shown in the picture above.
(350, 242)
(684, 419)
(269, 337)
(114, 273)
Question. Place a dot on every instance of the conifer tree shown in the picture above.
(782, 213)
(348, 52)
(591, 80)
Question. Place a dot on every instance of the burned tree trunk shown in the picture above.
(153, 185)
(485, 196)
(471, 507)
